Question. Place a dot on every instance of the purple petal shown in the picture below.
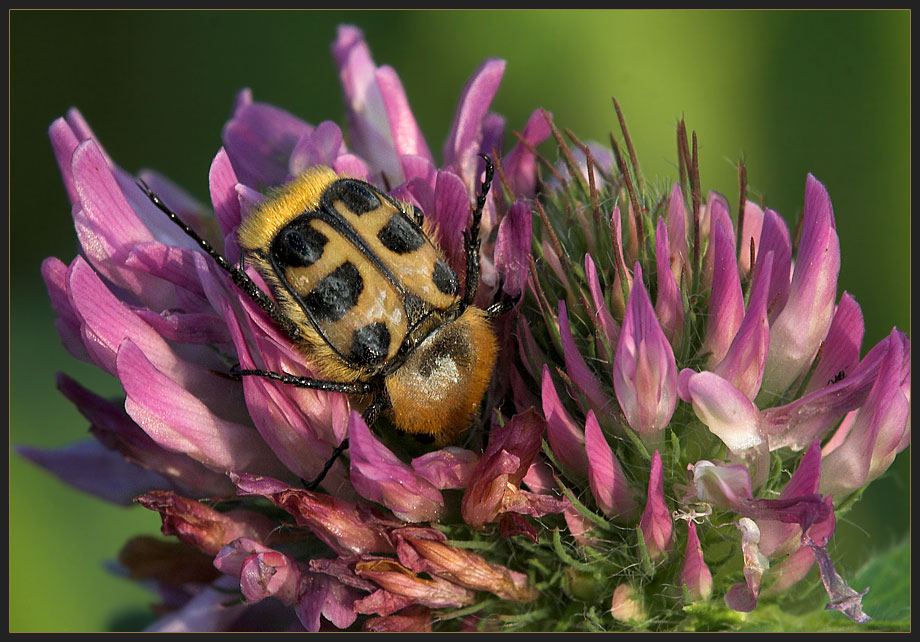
(463, 139)
(520, 165)
(113, 428)
(318, 147)
(407, 137)
(259, 139)
(717, 215)
(804, 321)
(877, 431)
(726, 303)
(840, 353)
(92, 468)
(55, 274)
(179, 421)
(565, 437)
(774, 238)
(323, 595)
(843, 598)
(583, 378)
(605, 475)
(208, 610)
(222, 182)
(656, 524)
(512, 248)
(602, 316)
(378, 475)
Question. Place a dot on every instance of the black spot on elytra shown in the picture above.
(298, 245)
(357, 197)
(335, 294)
(370, 345)
(400, 236)
(444, 278)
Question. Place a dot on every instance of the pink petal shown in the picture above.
(656, 524)
(694, 573)
(605, 475)
(512, 248)
(669, 305)
(566, 439)
(520, 165)
(726, 411)
(726, 303)
(582, 376)
(378, 475)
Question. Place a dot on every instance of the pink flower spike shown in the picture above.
(566, 439)
(644, 370)
(656, 524)
(669, 305)
(605, 475)
(804, 321)
(726, 304)
(694, 573)
(378, 475)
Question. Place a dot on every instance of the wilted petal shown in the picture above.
(605, 475)
(694, 573)
(397, 579)
(804, 321)
(200, 525)
(843, 598)
(335, 521)
(656, 524)
(743, 597)
(644, 370)
(498, 475)
(321, 595)
(378, 475)
(410, 619)
(471, 570)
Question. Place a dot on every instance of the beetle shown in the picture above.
(362, 289)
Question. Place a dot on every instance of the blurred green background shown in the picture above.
(790, 92)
